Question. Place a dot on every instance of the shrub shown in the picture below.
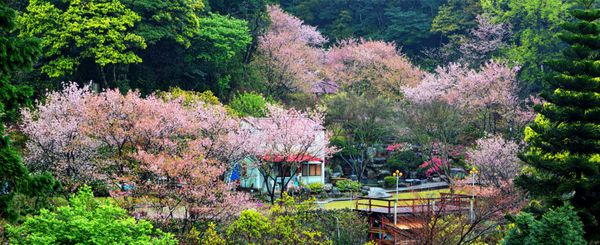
(316, 187)
(249, 104)
(404, 161)
(389, 181)
(557, 226)
(348, 185)
(86, 221)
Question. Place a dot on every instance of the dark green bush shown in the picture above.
(404, 161)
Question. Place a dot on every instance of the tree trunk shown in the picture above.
(103, 76)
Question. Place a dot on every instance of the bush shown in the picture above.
(404, 161)
(249, 104)
(316, 187)
(86, 221)
(557, 226)
(390, 181)
(348, 185)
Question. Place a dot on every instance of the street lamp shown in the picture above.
(397, 174)
(473, 172)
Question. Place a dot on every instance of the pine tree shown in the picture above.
(16, 54)
(563, 159)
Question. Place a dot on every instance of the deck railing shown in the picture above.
(382, 205)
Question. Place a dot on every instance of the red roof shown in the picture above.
(297, 159)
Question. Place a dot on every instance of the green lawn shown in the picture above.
(403, 195)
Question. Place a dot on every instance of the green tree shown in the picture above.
(98, 31)
(86, 221)
(563, 160)
(535, 27)
(249, 104)
(177, 20)
(218, 50)
(16, 55)
(358, 123)
(557, 226)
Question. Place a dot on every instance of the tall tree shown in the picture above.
(16, 54)
(535, 25)
(562, 159)
(358, 123)
(95, 31)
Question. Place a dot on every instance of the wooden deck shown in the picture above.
(446, 203)
(412, 215)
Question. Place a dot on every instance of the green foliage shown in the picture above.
(249, 104)
(189, 97)
(404, 161)
(16, 54)
(562, 161)
(293, 222)
(84, 221)
(405, 22)
(177, 20)
(389, 181)
(535, 27)
(456, 17)
(557, 226)
(316, 187)
(249, 228)
(82, 30)
(348, 185)
(211, 237)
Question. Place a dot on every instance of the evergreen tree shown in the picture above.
(16, 54)
(563, 160)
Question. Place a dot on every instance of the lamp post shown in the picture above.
(473, 172)
(396, 174)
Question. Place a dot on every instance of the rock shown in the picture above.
(354, 177)
(364, 192)
(336, 192)
(327, 187)
(436, 179)
(336, 175)
(365, 188)
(324, 195)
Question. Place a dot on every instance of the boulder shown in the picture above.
(327, 187)
(365, 188)
(336, 192)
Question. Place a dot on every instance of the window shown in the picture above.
(311, 169)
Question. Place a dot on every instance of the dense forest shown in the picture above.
(158, 105)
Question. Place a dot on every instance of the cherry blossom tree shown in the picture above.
(483, 40)
(497, 161)
(489, 93)
(289, 54)
(361, 66)
(285, 139)
(56, 142)
(169, 150)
